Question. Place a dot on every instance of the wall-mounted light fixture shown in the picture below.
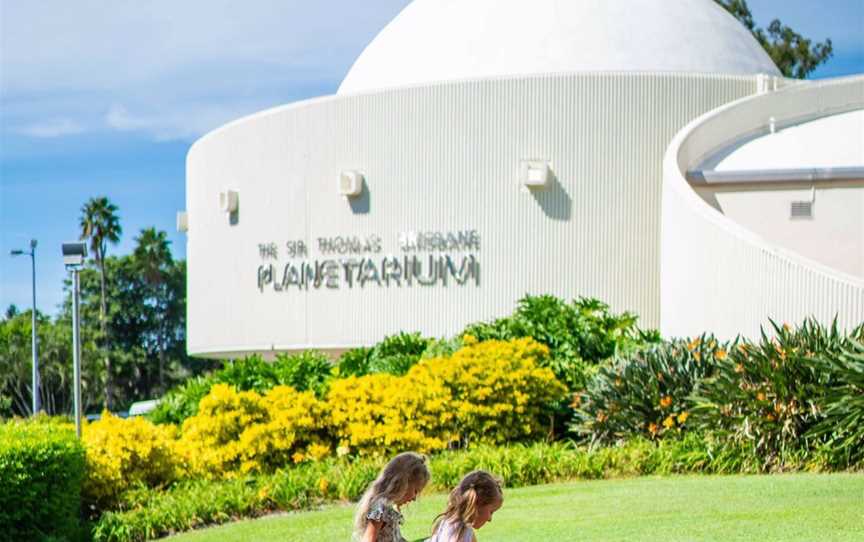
(350, 183)
(229, 201)
(535, 173)
(182, 221)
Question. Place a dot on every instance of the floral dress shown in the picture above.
(383, 512)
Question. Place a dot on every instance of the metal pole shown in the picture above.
(76, 353)
(36, 384)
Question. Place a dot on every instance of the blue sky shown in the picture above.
(105, 97)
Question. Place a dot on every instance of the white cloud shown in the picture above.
(179, 122)
(179, 69)
(52, 128)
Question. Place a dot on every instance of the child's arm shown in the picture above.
(371, 534)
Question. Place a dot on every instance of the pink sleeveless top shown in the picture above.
(447, 530)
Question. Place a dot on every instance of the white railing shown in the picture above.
(718, 276)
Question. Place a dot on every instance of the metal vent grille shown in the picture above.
(801, 210)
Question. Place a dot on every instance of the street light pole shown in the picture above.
(36, 397)
(73, 259)
(76, 351)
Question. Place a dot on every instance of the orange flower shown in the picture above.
(666, 402)
(577, 400)
(760, 396)
(602, 417)
(770, 417)
(652, 428)
(720, 354)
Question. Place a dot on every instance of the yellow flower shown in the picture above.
(669, 422)
(770, 417)
(720, 354)
(739, 368)
(760, 396)
(323, 485)
(666, 402)
(683, 417)
(694, 344)
(602, 417)
(298, 457)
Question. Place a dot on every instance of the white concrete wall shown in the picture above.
(834, 236)
(438, 158)
(721, 275)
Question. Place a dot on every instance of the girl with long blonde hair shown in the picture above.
(379, 512)
(469, 507)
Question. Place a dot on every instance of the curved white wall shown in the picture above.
(442, 158)
(715, 274)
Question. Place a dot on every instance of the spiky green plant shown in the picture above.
(646, 393)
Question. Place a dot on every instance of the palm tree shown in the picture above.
(153, 256)
(100, 225)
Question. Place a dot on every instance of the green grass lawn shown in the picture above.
(805, 508)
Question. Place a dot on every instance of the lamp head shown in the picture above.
(74, 254)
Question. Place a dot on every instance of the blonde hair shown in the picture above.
(478, 488)
(405, 471)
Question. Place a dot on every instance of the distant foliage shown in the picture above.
(795, 55)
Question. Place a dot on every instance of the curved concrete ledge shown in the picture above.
(720, 277)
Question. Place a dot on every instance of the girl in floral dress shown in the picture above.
(378, 516)
(470, 506)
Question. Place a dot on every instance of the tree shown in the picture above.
(794, 55)
(100, 225)
(153, 257)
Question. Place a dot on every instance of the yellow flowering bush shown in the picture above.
(125, 453)
(295, 431)
(376, 414)
(498, 392)
(492, 392)
(241, 432)
(210, 440)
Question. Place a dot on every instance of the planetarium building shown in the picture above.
(644, 152)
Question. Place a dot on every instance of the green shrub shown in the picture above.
(41, 472)
(182, 402)
(579, 334)
(842, 406)
(645, 394)
(307, 371)
(393, 355)
(771, 394)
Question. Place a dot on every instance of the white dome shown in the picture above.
(446, 40)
